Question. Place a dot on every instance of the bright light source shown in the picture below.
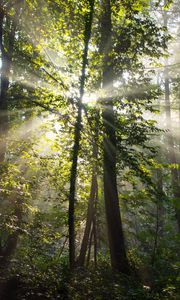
(90, 99)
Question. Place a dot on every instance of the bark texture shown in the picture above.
(115, 232)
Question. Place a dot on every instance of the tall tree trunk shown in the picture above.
(115, 232)
(89, 220)
(77, 137)
(159, 215)
(95, 229)
(89, 247)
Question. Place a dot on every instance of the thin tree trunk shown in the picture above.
(92, 202)
(77, 137)
(156, 234)
(159, 203)
(115, 232)
(95, 229)
(159, 215)
(89, 220)
(89, 248)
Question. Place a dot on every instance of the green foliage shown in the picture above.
(34, 183)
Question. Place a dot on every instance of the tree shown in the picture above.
(77, 136)
(115, 232)
(91, 219)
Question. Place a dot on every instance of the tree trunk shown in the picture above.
(77, 137)
(92, 202)
(89, 247)
(89, 221)
(95, 230)
(115, 233)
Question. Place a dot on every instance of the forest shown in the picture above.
(89, 149)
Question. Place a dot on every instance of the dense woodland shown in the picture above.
(89, 149)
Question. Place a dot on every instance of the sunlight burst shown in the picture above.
(90, 99)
